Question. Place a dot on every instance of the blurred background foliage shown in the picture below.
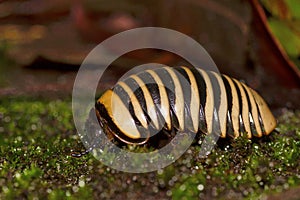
(284, 20)
(56, 36)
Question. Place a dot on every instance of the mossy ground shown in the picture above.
(37, 136)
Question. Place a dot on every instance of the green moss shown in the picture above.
(248, 169)
(35, 145)
(37, 136)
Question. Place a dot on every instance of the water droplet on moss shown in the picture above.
(200, 187)
(7, 119)
(155, 189)
(182, 187)
(169, 193)
(18, 175)
(68, 193)
(161, 182)
(245, 192)
(257, 178)
(19, 138)
(261, 183)
(75, 189)
(239, 177)
(33, 127)
(174, 178)
(81, 183)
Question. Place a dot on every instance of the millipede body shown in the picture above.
(172, 99)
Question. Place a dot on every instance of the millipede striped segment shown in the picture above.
(209, 101)
(182, 99)
(117, 115)
(150, 107)
(235, 104)
(244, 112)
(222, 105)
(253, 113)
(162, 97)
(194, 103)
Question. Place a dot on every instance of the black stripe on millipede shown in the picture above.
(170, 88)
(229, 125)
(260, 118)
(151, 85)
(251, 120)
(217, 102)
(201, 85)
(185, 83)
(139, 94)
(153, 89)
